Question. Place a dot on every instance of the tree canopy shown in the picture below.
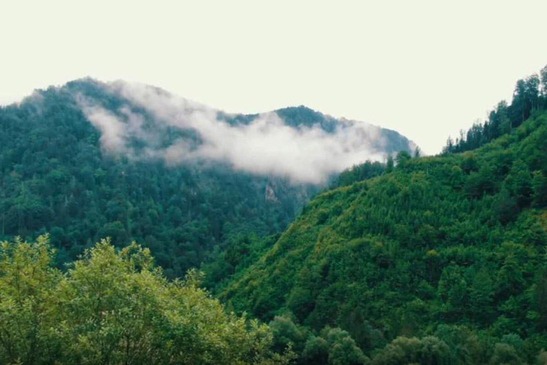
(115, 307)
(440, 260)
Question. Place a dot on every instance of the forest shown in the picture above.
(418, 260)
(56, 178)
(425, 260)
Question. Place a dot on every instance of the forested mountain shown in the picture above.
(90, 160)
(429, 260)
(438, 260)
(530, 94)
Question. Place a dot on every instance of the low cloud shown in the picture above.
(113, 131)
(265, 145)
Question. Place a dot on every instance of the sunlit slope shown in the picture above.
(452, 239)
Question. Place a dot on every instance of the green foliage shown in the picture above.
(402, 350)
(505, 354)
(342, 348)
(451, 247)
(316, 351)
(402, 158)
(361, 172)
(539, 184)
(528, 97)
(55, 178)
(287, 334)
(240, 252)
(435, 260)
(333, 346)
(116, 307)
(464, 344)
(27, 289)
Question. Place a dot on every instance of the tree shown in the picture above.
(342, 348)
(463, 343)
(505, 354)
(540, 298)
(543, 77)
(316, 351)
(539, 186)
(453, 291)
(449, 147)
(402, 158)
(481, 296)
(525, 99)
(389, 163)
(115, 307)
(519, 183)
(287, 335)
(404, 350)
(27, 284)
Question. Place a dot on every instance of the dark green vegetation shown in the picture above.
(115, 307)
(439, 260)
(529, 95)
(435, 260)
(54, 178)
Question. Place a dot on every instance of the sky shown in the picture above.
(424, 68)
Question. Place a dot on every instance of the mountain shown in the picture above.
(435, 260)
(440, 260)
(89, 160)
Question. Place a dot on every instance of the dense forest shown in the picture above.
(529, 95)
(431, 260)
(56, 177)
(418, 260)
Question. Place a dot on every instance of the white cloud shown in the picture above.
(113, 131)
(265, 146)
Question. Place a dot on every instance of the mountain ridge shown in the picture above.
(435, 260)
(455, 241)
(135, 171)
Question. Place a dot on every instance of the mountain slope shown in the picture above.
(89, 160)
(457, 240)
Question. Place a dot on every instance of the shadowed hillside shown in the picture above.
(91, 160)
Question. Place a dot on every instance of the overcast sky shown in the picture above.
(424, 68)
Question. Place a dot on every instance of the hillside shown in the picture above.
(89, 160)
(445, 256)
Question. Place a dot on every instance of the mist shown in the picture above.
(264, 146)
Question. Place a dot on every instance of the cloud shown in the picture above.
(113, 131)
(265, 145)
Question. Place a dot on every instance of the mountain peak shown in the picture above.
(298, 143)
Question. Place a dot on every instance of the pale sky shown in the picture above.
(424, 68)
